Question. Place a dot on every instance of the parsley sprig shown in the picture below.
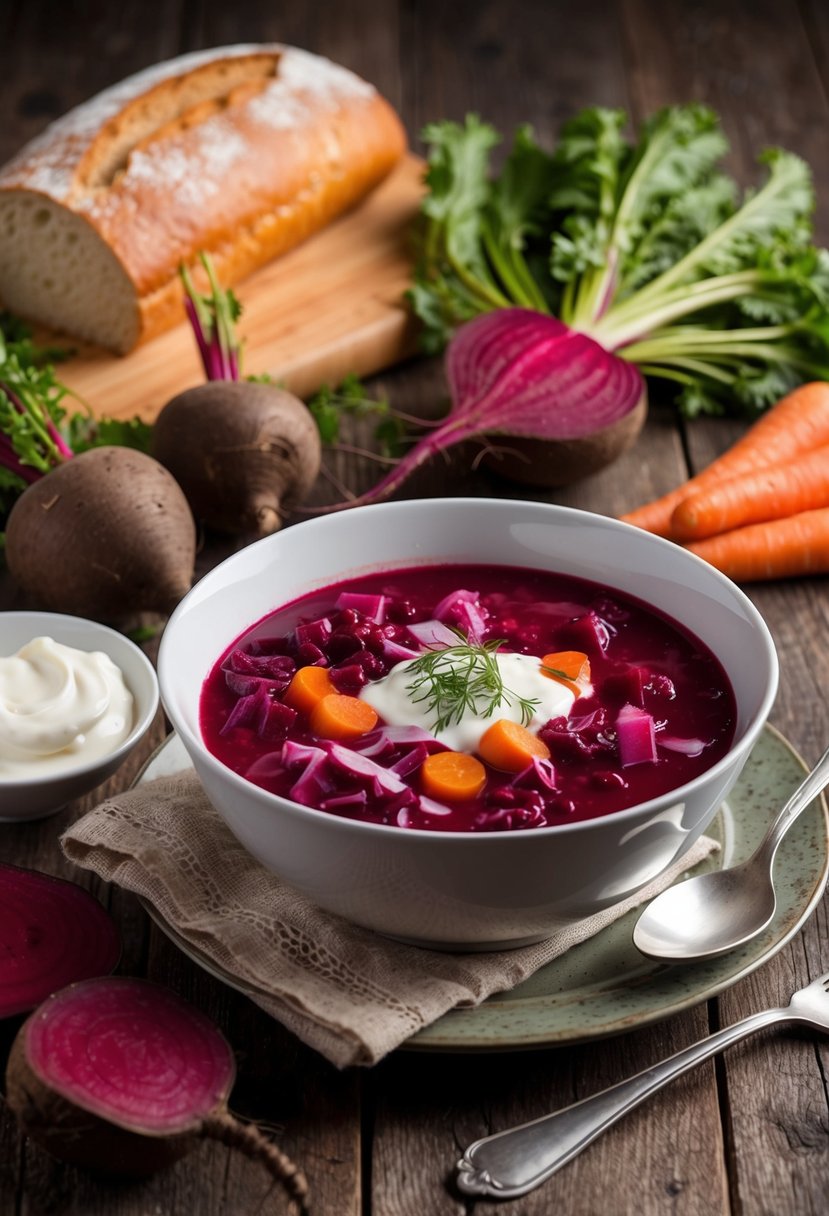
(464, 677)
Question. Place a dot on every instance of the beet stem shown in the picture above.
(609, 287)
(10, 460)
(201, 340)
(247, 1138)
(38, 417)
(347, 494)
(455, 428)
(353, 450)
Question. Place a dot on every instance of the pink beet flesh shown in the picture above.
(523, 373)
(132, 1053)
(52, 933)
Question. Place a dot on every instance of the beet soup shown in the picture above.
(468, 698)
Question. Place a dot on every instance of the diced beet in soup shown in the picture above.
(608, 702)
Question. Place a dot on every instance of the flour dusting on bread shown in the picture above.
(241, 152)
(194, 174)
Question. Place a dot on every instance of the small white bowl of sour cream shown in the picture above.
(75, 699)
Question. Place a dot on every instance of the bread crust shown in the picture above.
(240, 152)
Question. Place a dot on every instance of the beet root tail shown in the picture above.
(246, 1138)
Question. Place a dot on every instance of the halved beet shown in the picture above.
(551, 403)
(124, 1077)
(560, 405)
(52, 933)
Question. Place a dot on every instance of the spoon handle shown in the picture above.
(513, 1162)
(816, 781)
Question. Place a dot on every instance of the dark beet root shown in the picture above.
(560, 462)
(123, 1077)
(244, 453)
(51, 933)
(107, 534)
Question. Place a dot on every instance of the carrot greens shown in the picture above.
(644, 245)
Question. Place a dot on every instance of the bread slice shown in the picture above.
(240, 152)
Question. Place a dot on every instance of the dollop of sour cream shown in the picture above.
(393, 698)
(60, 708)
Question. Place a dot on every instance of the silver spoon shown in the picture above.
(713, 913)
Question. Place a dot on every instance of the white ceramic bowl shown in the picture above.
(454, 889)
(35, 797)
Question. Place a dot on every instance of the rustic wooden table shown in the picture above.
(749, 1134)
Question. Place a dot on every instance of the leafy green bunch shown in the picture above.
(329, 406)
(36, 431)
(645, 245)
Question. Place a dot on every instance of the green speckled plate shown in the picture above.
(604, 986)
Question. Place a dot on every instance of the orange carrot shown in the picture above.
(801, 484)
(570, 668)
(783, 548)
(452, 776)
(340, 717)
(308, 686)
(510, 747)
(798, 423)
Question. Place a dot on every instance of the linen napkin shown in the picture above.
(347, 992)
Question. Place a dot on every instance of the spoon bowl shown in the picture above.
(710, 914)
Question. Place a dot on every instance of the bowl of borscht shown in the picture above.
(466, 723)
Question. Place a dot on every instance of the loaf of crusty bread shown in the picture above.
(241, 152)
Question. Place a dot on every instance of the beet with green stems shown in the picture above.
(104, 535)
(552, 403)
(567, 278)
(52, 933)
(644, 244)
(124, 1077)
(245, 453)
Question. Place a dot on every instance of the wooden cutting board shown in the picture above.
(331, 307)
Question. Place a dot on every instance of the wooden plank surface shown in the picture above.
(332, 307)
(694, 56)
(742, 1137)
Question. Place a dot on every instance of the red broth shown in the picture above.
(642, 664)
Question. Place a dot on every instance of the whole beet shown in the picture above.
(104, 535)
(244, 453)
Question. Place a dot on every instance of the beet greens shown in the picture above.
(565, 283)
(37, 434)
(645, 246)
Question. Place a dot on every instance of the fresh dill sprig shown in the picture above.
(464, 677)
